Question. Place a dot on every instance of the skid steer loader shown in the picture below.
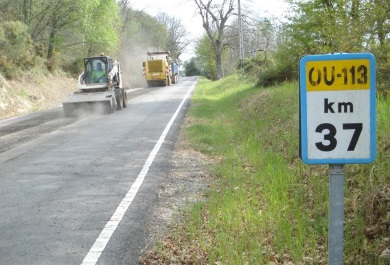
(99, 88)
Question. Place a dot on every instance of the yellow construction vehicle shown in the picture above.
(157, 69)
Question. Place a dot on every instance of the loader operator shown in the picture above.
(99, 75)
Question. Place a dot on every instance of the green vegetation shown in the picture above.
(272, 48)
(192, 69)
(17, 51)
(264, 203)
(321, 27)
(57, 35)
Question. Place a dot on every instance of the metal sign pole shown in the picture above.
(241, 44)
(336, 214)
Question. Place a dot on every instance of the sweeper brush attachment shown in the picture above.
(78, 104)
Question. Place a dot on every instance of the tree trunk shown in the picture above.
(218, 65)
(50, 48)
(26, 11)
(214, 18)
(53, 30)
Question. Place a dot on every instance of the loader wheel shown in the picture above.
(125, 99)
(119, 102)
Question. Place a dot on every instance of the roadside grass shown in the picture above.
(264, 204)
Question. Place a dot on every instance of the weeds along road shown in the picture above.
(81, 190)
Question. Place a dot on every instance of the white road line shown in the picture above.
(97, 248)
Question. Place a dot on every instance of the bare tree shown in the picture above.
(215, 15)
(178, 36)
(125, 8)
(259, 34)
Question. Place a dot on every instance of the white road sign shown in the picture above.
(337, 108)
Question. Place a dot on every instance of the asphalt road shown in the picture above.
(82, 190)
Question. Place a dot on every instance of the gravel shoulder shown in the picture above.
(184, 185)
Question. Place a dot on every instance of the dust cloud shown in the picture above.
(131, 59)
(84, 109)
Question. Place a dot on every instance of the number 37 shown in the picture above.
(358, 127)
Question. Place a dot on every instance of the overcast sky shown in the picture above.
(185, 10)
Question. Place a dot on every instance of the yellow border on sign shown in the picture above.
(338, 75)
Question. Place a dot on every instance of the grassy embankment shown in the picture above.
(264, 203)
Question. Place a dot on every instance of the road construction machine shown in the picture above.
(99, 88)
(157, 69)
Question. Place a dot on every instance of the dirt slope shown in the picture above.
(33, 91)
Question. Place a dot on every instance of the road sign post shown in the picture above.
(337, 125)
(336, 214)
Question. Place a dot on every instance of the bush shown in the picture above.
(40, 50)
(277, 74)
(75, 67)
(16, 49)
(253, 67)
(191, 68)
(382, 55)
(54, 63)
(269, 68)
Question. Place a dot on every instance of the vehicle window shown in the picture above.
(95, 70)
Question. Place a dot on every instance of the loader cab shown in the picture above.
(96, 69)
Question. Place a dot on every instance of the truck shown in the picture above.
(158, 69)
(175, 72)
(99, 88)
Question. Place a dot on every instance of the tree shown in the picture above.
(101, 27)
(318, 27)
(85, 25)
(142, 33)
(25, 7)
(204, 55)
(379, 28)
(192, 68)
(259, 34)
(125, 11)
(177, 34)
(215, 15)
(63, 13)
(331, 26)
